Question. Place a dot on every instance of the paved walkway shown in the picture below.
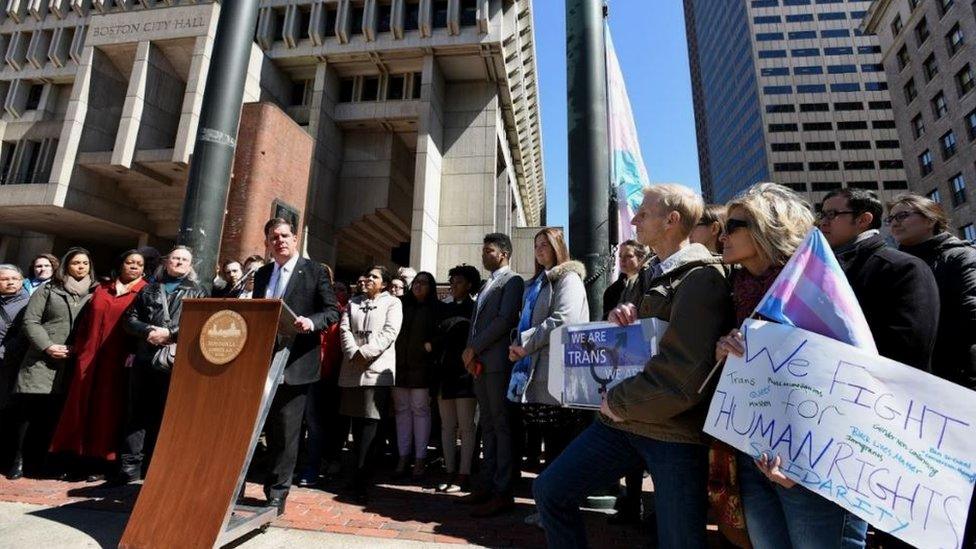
(93, 515)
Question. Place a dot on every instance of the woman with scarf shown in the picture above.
(765, 225)
(553, 297)
(91, 421)
(50, 320)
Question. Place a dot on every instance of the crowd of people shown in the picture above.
(379, 365)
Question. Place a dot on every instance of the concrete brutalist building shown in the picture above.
(930, 62)
(790, 91)
(424, 115)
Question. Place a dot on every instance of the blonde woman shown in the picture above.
(765, 225)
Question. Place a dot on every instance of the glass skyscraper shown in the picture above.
(790, 91)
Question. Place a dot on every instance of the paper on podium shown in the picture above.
(586, 360)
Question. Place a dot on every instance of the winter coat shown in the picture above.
(899, 297)
(619, 292)
(49, 319)
(11, 340)
(561, 300)
(11, 318)
(147, 311)
(663, 402)
(94, 409)
(414, 367)
(953, 262)
(368, 332)
(451, 378)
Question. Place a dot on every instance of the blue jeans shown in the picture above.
(780, 518)
(599, 457)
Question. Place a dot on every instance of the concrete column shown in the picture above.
(32, 244)
(135, 100)
(4, 248)
(425, 221)
(143, 240)
(469, 194)
(193, 96)
(74, 123)
(320, 212)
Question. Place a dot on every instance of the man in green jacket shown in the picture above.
(655, 418)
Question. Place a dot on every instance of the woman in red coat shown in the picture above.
(91, 420)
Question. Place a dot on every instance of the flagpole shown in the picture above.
(589, 162)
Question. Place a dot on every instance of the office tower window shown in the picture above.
(968, 232)
(903, 57)
(965, 80)
(918, 126)
(955, 39)
(925, 163)
(896, 26)
(922, 31)
(958, 186)
(939, 106)
(930, 67)
(948, 144)
(910, 91)
(945, 5)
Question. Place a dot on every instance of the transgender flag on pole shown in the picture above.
(628, 176)
(812, 293)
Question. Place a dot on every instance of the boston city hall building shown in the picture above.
(396, 132)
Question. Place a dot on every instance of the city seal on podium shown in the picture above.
(223, 337)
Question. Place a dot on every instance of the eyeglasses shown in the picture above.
(898, 217)
(830, 215)
(732, 225)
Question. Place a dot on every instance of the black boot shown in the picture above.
(128, 473)
(16, 470)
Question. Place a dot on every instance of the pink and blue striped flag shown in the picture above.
(628, 175)
(812, 293)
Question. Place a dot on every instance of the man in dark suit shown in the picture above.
(304, 286)
(486, 357)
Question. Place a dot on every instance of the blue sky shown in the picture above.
(654, 58)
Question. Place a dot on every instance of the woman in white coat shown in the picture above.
(368, 331)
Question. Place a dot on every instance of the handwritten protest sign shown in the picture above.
(892, 444)
(586, 360)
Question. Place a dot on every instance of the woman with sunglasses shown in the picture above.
(764, 227)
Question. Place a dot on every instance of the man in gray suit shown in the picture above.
(486, 357)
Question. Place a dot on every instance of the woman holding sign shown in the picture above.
(765, 225)
(555, 296)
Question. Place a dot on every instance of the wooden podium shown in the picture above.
(219, 396)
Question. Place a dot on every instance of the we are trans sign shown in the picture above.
(892, 444)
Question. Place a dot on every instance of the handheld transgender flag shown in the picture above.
(628, 176)
(812, 293)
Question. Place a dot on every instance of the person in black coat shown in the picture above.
(411, 391)
(896, 291)
(304, 286)
(155, 328)
(919, 225)
(452, 382)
